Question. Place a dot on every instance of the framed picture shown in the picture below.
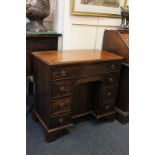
(105, 8)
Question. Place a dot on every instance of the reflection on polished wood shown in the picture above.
(75, 56)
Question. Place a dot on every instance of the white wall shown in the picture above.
(82, 32)
(79, 32)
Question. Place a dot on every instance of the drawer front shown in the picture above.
(112, 67)
(109, 93)
(63, 72)
(60, 120)
(106, 108)
(61, 105)
(61, 89)
(110, 79)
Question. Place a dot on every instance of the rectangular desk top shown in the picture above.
(75, 56)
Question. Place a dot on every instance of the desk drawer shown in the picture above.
(110, 79)
(106, 108)
(62, 72)
(109, 93)
(63, 88)
(61, 120)
(112, 67)
(61, 105)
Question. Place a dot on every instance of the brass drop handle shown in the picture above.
(62, 89)
(113, 67)
(111, 79)
(63, 73)
(107, 107)
(61, 105)
(109, 93)
(61, 120)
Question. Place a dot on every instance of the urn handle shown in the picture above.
(62, 89)
(107, 107)
(63, 72)
(113, 67)
(61, 105)
(109, 93)
(111, 79)
(61, 120)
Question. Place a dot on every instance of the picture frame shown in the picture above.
(100, 8)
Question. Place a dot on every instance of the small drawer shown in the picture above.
(64, 72)
(106, 108)
(110, 79)
(109, 93)
(61, 105)
(60, 89)
(60, 120)
(112, 67)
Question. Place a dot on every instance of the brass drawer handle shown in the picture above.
(61, 120)
(111, 79)
(62, 89)
(61, 105)
(113, 67)
(109, 93)
(107, 107)
(63, 73)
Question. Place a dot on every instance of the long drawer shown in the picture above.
(64, 72)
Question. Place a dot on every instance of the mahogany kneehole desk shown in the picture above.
(72, 84)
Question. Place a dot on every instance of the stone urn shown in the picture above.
(36, 11)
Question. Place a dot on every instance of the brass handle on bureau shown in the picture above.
(113, 67)
(109, 93)
(61, 105)
(62, 89)
(61, 120)
(107, 107)
(63, 73)
(111, 79)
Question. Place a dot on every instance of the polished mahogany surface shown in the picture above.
(75, 56)
(125, 37)
(117, 42)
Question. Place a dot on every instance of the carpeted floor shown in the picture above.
(87, 137)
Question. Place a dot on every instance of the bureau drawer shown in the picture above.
(63, 72)
(61, 105)
(109, 93)
(106, 108)
(110, 79)
(60, 89)
(60, 120)
(112, 67)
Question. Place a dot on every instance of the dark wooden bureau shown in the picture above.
(117, 42)
(72, 84)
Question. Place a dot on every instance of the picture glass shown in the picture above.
(110, 3)
(108, 8)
